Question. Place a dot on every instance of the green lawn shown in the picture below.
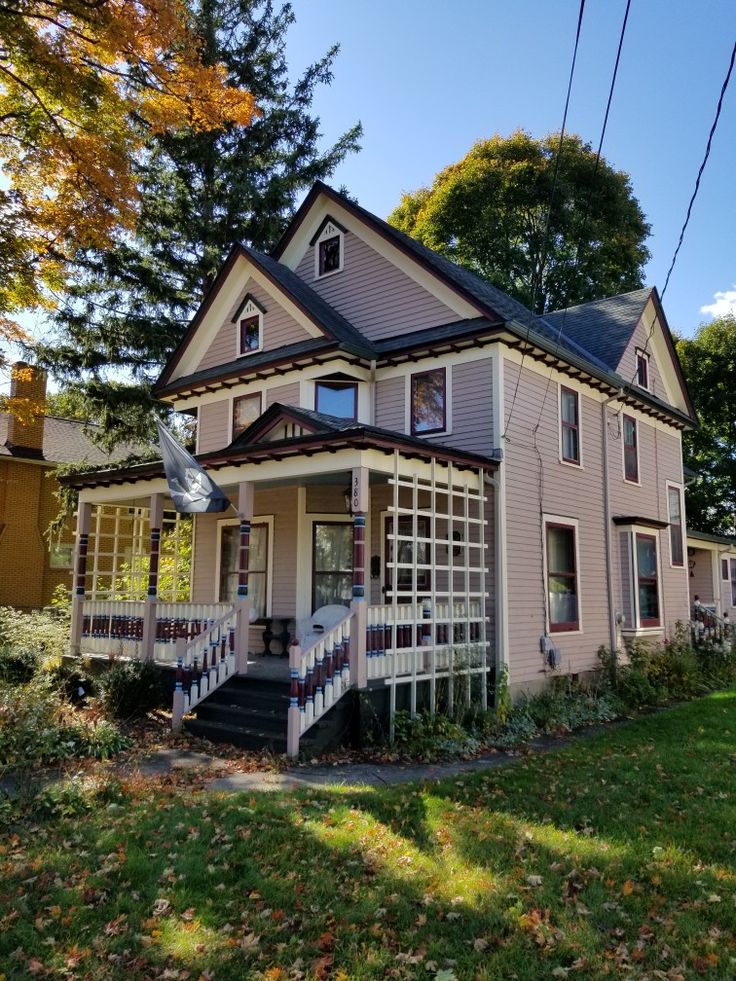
(614, 858)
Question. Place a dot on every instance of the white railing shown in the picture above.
(320, 675)
(421, 640)
(204, 663)
(115, 627)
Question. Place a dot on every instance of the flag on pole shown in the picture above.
(191, 489)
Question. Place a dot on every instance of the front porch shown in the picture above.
(365, 567)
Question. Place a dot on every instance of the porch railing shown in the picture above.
(706, 627)
(320, 675)
(115, 627)
(418, 639)
(204, 663)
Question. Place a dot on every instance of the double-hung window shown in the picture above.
(647, 572)
(642, 369)
(429, 402)
(674, 506)
(569, 425)
(562, 578)
(257, 566)
(631, 450)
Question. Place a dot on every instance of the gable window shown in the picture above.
(257, 566)
(250, 326)
(429, 402)
(642, 369)
(329, 253)
(674, 507)
(647, 580)
(246, 409)
(569, 425)
(336, 398)
(562, 578)
(631, 450)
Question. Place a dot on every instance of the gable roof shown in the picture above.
(603, 327)
(331, 323)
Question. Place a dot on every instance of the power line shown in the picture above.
(726, 80)
(545, 237)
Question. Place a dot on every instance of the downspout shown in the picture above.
(612, 625)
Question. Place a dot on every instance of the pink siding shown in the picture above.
(628, 367)
(390, 401)
(472, 407)
(213, 426)
(373, 294)
(701, 583)
(285, 394)
(279, 329)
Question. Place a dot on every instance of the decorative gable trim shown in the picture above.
(250, 312)
(327, 220)
(277, 418)
(330, 231)
(247, 299)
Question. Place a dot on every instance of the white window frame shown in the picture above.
(447, 431)
(570, 463)
(637, 482)
(671, 485)
(329, 231)
(632, 531)
(261, 519)
(641, 353)
(232, 409)
(574, 523)
(251, 309)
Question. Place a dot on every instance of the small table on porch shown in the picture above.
(276, 627)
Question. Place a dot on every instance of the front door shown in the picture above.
(332, 563)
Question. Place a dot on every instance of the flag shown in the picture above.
(192, 490)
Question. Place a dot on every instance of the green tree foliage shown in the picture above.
(709, 362)
(199, 193)
(488, 212)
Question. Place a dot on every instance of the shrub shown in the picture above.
(73, 681)
(431, 736)
(18, 666)
(131, 688)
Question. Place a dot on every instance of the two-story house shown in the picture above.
(461, 488)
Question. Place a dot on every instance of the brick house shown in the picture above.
(460, 487)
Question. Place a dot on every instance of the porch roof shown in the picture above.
(702, 536)
(327, 435)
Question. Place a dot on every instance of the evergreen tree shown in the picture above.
(200, 192)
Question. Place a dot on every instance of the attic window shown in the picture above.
(249, 318)
(642, 369)
(329, 253)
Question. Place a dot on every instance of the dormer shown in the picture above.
(249, 319)
(329, 248)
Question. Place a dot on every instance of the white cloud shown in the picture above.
(723, 305)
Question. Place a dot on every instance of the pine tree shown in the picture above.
(200, 192)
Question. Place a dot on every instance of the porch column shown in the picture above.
(156, 513)
(84, 513)
(359, 503)
(245, 513)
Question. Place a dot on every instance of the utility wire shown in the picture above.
(545, 237)
(589, 199)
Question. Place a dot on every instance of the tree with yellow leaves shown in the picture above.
(83, 84)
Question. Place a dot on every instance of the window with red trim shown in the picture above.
(562, 578)
(246, 409)
(642, 369)
(674, 503)
(570, 425)
(647, 580)
(429, 402)
(631, 450)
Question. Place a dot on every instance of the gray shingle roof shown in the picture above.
(65, 441)
(603, 328)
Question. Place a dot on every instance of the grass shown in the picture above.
(613, 858)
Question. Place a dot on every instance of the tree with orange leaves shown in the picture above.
(83, 84)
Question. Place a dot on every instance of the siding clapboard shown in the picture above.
(285, 394)
(390, 404)
(213, 426)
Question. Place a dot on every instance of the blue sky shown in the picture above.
(429, 78)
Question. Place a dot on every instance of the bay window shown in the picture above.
(562, 577)
(647, 574)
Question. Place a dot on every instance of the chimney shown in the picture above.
(28, 400)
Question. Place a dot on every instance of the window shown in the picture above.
(428, 402)
(61, 556)
(562, 578)
(257, 566)
(246, 409)
(647, 580)
(642, 369)
(724, 570)
(330, 255)
(569, 425)
(332, 554)
(674, 504)
(631, 450)
(249, 317)
(405, 553)
(337, 399)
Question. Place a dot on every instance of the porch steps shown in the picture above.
(252, 713)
